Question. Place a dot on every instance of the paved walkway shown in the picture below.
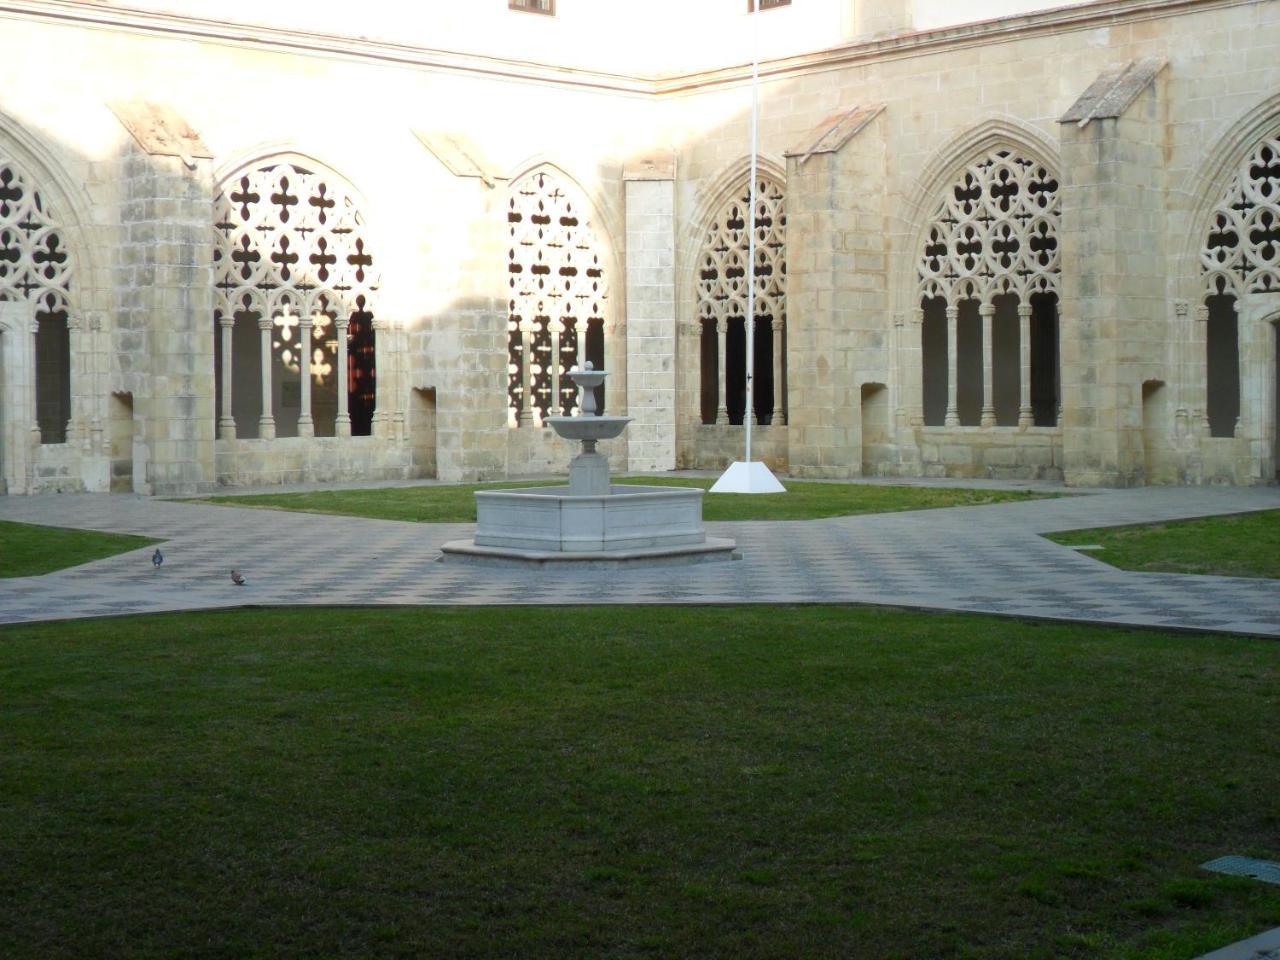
(989, 559)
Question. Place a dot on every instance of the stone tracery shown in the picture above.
(1241, 249)
(722, 306)
(992, 243)
(36, 267)
(291, 260)
(1239, 255)
(558, 297)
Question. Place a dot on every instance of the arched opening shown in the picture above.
(558, 298)
(722, 308)
(293, 320)
(35, 267)
(988, 279)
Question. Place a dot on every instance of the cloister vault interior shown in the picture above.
(245, 246)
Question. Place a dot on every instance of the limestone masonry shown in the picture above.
(238, 251)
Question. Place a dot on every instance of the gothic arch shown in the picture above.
(980, 275)
(553, 323)
(43, 263)
(295, 259)
(717, 192)
(945, 166)
(1208, 185)
(723, 280)
(67, 197)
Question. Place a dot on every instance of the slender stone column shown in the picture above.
(988, 311)
(34, 366)
(953, 404)
(71, 430)
(306, 425)
(1026, 417)
(555, 327)
(526, 376)
(227, 421)
(99, 443)
(266, 422)
(1202, 335)
(342, 422)
(777, 418)
(385, 379)
(722, 346)
(916, 369)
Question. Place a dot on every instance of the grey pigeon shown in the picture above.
(157, 558)
(238, 580)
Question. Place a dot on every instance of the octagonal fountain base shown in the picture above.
(629, 524)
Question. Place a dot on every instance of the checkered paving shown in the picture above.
(988, 559)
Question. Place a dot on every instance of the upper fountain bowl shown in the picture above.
(588, 428)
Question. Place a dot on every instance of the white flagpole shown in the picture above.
(748, 413)
(744, 476)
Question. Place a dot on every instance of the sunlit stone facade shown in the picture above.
(245, 243)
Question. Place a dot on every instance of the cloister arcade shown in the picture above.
(954, 274)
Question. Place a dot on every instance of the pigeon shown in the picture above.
(157, 558)
(238, 580)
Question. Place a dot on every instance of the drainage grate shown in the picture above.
(1268, 871)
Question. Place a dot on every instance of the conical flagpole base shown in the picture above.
(748, 477)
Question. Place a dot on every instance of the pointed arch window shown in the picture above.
(35, 266)
(558, 297)
(1240, 255)
(989, 277)
(295, 285)
(722, 307)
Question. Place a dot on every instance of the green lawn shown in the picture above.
(636, 782)
(1239, 545)
(27, 550)
(455, 503)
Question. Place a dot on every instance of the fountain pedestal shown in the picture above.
(590, 520)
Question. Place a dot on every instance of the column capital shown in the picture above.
(1024, 309)
(1181, 309)
(342, 323)
(987, 310)
(226, 323)
(917, 315)
(1202, 313)
(953, 311)
(265, 323)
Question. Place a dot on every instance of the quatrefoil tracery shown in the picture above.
(722, 270)
(1241, 250)
(34, 261)
(995, 231)
(557, 286)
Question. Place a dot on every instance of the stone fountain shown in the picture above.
(590, 520)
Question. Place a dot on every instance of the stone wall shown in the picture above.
(1136, 187)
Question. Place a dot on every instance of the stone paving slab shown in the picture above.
(1265, 946)
(987, 559)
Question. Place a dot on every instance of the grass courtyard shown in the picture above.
(638, 782)
(455, 503)
(27, 550)
(1239, 545)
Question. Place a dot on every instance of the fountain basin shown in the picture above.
(629, 523)
(588, 428)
